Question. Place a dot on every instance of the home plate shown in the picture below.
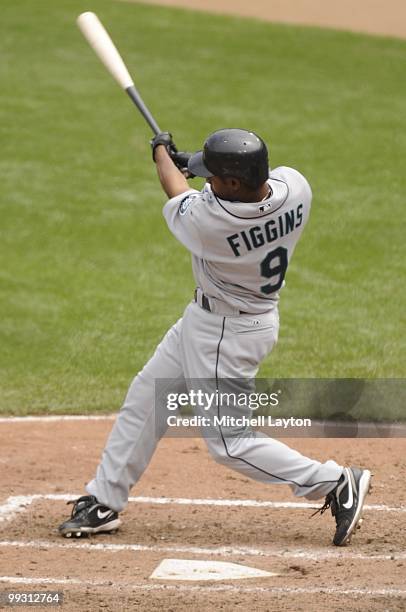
(186, 569)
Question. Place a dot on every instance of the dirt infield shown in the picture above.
(111, 572)
(370, 16)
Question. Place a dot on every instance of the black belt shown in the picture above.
(206, 303)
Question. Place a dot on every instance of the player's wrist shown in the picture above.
(160, 151)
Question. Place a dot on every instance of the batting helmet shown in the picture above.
(232, 152)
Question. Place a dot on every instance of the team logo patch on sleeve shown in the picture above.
(184, 205)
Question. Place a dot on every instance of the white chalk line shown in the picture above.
(19, 503)
(250, 503)
(14, 505)
(269, 590)
(58, 417)
(366, 429)
(310, 553)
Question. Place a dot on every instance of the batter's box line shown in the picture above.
(309, 553)
(17, 504)
(223, 588)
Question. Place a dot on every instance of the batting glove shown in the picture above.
(164, 138)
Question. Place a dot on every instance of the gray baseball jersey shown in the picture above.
(240, 251)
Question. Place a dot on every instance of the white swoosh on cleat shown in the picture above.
(103, 515)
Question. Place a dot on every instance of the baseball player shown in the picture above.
(241, 230)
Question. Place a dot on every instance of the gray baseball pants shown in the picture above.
(203, 345)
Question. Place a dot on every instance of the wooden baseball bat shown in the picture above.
(99, 39)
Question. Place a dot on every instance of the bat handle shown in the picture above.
(139, 102)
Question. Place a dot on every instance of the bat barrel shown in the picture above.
(99, 39)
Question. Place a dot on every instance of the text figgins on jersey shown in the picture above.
(258, 235)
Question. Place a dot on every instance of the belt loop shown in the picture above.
(199, 297)
(202, 300)
(205, 303)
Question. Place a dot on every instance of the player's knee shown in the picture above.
(218, 451)
(141, 388)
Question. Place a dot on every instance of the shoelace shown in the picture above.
(330, 502)
(76, 503)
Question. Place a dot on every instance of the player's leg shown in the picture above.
(233, 349)
(139, 425)
(217, 349)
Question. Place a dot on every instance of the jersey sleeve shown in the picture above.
(296, 181)
(182, 216)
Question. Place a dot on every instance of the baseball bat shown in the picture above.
(99, 39)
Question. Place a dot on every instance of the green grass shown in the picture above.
(90, 277)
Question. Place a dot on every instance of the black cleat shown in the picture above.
(346, 501)
(88, 516)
